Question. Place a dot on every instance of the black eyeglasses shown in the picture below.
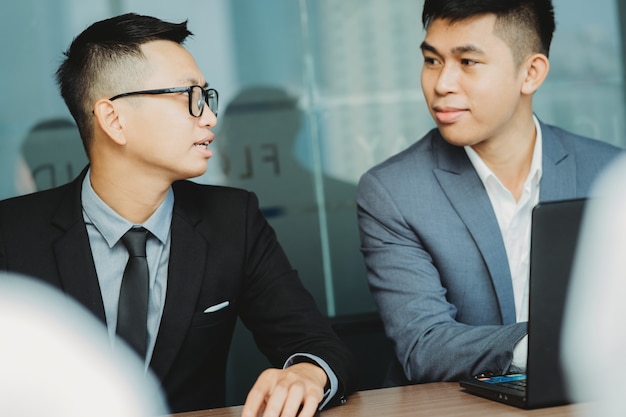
(197, 97)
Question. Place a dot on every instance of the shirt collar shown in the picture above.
(534, 175)
(112, 226)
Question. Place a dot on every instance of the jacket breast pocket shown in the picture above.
(212, 318)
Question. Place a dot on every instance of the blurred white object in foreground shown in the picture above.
(56, 360)
(594, 327)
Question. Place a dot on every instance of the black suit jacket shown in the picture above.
(222, 249)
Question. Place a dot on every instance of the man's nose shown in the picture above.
(447, 80)
(208, 118)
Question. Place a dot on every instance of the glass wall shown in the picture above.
(313, 93)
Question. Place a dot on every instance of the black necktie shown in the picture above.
(132, 313)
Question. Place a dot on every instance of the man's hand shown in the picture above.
(281, 392)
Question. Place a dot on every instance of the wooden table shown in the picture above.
(432, 400)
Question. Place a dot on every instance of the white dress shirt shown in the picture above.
(514, 218)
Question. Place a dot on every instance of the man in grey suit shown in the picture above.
(445, 224)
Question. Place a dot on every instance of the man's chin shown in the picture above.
(456, 139)
(191, 174)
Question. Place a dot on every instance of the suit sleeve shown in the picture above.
(431, 344)
(281, 314)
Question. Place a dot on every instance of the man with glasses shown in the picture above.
(169, 265)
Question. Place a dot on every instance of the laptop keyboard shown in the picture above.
(519, 385)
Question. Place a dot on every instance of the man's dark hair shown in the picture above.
(526, 25)
(104, 59)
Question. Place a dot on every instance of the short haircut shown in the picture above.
(105, 60)
(526, 26)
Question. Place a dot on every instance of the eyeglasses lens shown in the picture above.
(212, 100)
(198, 97)
(196, 101)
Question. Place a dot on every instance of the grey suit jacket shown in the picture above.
(436, 261)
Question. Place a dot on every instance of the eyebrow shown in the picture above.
(425, 46)
(194, 81)
(457, 50)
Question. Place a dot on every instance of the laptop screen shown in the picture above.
(554, 234)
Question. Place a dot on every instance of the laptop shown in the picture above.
(554, 233)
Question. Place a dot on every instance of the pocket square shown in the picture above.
(217, 307)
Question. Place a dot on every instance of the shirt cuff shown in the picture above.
(333, 382)
(520, 354)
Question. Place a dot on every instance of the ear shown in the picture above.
(110, 121)
(536, 68)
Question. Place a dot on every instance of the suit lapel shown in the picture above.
(558, 181)
(185, 273)
(466, 193)
(77, 271)
(188, 254)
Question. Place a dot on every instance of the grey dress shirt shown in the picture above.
(105, 228)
